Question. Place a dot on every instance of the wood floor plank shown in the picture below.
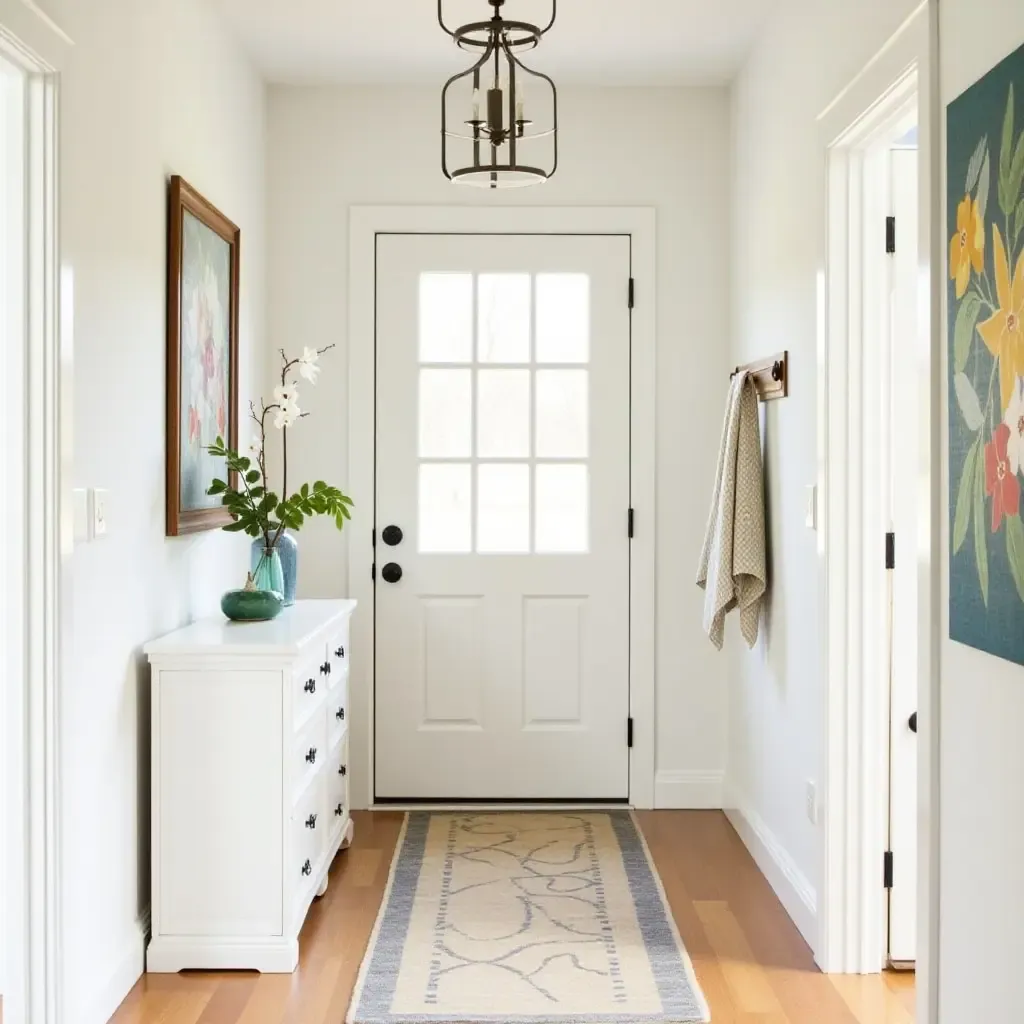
(750, 960)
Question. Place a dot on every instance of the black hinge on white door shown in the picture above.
(632, 293)
(629, 732)
(890, 551)
(629, 523)
(890, 235)
(887, 869)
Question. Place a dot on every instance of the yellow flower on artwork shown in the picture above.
(967, 248)
(1003, 333)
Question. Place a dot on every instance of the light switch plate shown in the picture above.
(80, 514)
(100, 498)
(811, 515)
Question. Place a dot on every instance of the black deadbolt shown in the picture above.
(392, 572)
(392, 535)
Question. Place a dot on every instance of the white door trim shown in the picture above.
(856, 729)
(365, 223)
(30, 40)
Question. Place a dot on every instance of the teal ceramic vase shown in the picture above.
(266, 570)
(250, 604)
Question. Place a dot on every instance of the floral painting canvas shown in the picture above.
(985, 210)
(202, 356)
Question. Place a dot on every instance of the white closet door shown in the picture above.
(502, 651)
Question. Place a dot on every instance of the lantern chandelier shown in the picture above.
(497, 145)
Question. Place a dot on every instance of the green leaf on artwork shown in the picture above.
(1017, 171)
(1018, 223)
(1007, 197)
(967, 399)
(964, 495)
(963, 333)
(980, 542)
(974, 168)
(1015, 551)
(984, 186)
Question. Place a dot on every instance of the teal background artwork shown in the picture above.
(985, 229)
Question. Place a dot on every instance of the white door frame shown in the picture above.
(366, 222)
(33, 43)
(852, 938)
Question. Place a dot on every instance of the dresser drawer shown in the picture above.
(309, 685)
(309, 753)
(337, 653)
(337, 714)
(309, 828)
(337, 785)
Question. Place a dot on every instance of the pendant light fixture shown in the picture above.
(499, 118)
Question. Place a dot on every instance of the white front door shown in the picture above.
(502, 457)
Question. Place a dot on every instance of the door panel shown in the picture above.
(502, 652)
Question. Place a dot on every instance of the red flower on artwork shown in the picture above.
(194, 424)
(1000, 481)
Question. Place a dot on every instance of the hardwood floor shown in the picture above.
(751, 962)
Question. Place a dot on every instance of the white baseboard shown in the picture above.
(688, 790)
(791, 885)
(128, 969)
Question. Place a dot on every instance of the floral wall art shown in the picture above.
(202, 356)
(985, 210)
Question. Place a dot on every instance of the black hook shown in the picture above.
(777, 370)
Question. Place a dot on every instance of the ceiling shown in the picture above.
(594, 42)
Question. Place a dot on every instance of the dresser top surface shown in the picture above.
(287, 634)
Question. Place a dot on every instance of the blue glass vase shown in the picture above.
(288, 549)
(266, 568)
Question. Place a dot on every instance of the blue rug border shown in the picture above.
(680, 1000)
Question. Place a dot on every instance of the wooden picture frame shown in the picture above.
(202, 355)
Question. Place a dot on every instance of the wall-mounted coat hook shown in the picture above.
(771, 376)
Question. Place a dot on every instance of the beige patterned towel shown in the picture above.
(732, 564)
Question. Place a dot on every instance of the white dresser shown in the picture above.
(249, 784)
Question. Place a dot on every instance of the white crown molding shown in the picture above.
(31, 36)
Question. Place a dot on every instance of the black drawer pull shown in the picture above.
(311, 755)
(307, 868)
(340, 714)
(340, 652)
(325, 668)
(343, 770)
(310, 686)
(311, 821)
(339, 810)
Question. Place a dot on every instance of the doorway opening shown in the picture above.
(877, 409)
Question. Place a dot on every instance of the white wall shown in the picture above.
(334, 148)
(152, 89)
(811, 50)
(982, 698)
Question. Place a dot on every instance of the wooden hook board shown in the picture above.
(771, 376)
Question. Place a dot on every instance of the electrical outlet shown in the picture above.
(812, 802)
(99, 512)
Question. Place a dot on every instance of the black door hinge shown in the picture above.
(373, 571)
(632, 293)
(890, 235)
(373, 536)
(890, 551)
(629, 732)
(887, 869)
(629, 519)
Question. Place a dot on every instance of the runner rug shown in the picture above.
(525, 918)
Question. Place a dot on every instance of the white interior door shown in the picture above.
(502, 446)
(904, 435)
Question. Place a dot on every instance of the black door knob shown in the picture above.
(392, 572)
(392, 535)
(913, 722)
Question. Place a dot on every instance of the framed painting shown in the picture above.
(202, 355)
(985, 281)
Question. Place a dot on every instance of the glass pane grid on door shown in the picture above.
(504, 413)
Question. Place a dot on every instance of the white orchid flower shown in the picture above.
(255, 447)
(308, 367)
(1014, 419)
(286, 394)
(286, 415)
